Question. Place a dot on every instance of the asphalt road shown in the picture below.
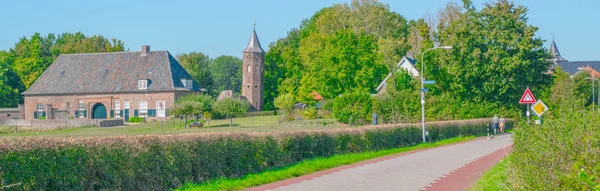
(408, 172)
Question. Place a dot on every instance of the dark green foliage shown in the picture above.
(226, 72)
(197, 65)
(168, 161)
(353, 108)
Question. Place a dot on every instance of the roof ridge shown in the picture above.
(93, 53)
(171, 69)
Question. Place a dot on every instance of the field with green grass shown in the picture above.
(247, 124)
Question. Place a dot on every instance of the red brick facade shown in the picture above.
(70, 103)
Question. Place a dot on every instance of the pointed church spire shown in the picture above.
(254, 44)
(555, 53)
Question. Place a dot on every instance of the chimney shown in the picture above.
(145, 50)
(410, 55)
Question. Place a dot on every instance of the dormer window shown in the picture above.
(187, 83)
(143, 84)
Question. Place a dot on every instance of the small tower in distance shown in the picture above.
(253, 73)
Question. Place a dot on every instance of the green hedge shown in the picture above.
(260, 113)
(353, 108)
(136, 119)
(561, 154)
(168, 161)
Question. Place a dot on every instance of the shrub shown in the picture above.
(353, 108)
(164, 162)
(309, 113)
(136, 119)
(560, 154)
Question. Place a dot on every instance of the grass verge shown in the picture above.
(494, 179)
(308, 167)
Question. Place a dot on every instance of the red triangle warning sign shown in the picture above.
(527, 97)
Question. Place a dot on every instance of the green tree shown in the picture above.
(196, 64)
(31, 56)
(285, 103)
(231, 107)
(226, 72)
(562, 88)
(495, 54)
(186, 108)
(581, 92)
(204, 103)
(10, 84)
(292, 62)
(339, 63)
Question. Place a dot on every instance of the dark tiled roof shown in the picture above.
(111, 72)
(254, 44)
(572, 67)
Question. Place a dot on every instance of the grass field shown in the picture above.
(308, 166)
(249, 124)
(494, 179)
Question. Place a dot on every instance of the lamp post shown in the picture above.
(423, 86)
(593, 90)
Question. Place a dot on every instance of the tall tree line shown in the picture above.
(343, 48)
(351, 47)
(213, 74)
(21, 65)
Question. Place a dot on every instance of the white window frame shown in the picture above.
(143, 84)
(40, 109)
(81, 105)
(126, 105)
(117, 109)
(161, 111)
(81, 108)
(142, 111)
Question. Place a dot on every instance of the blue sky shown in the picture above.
(223, 27)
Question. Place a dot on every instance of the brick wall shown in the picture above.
(9, 114)
(57, 123)
(70, 103)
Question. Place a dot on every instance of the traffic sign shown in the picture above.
(539, 108)
(527, 97)
(428, 82)
(425, 90)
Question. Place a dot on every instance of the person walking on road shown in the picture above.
(501, 123)
(495, 123)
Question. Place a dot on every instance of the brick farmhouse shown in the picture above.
(116, 85)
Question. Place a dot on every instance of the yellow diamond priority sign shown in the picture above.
(539, 108)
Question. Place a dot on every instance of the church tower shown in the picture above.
(253, 73)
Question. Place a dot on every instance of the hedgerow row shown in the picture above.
(168, 161)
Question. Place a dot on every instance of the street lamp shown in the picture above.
(423, 86)
(593, 86)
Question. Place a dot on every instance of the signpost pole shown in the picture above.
(528, 114)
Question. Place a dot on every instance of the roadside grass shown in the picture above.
(308, 167)
(494, 179)
(246, 124)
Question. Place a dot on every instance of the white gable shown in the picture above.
(405, 64)
(408, 66)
